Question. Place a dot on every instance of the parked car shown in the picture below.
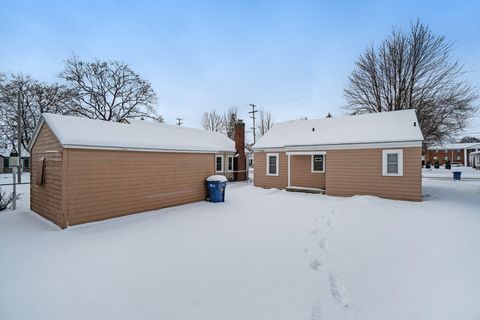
(455, 164)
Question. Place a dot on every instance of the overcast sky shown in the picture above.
(290, 57)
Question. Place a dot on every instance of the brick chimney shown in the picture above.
(240, 160)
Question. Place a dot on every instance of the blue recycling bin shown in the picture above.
(457, 175)
(216, 191)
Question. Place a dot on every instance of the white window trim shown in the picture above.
(277, 164)
(315, 171)
(228, 160)
(399, 152)
(216, 157)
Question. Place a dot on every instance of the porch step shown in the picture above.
(305, 190)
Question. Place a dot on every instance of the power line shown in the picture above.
(253, 117)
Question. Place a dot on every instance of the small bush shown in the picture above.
(6, 199)
(448, 165)
(436, 165)
(428, 165)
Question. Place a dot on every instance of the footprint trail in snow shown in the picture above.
(338, 290)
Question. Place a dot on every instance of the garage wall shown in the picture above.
(352, 172)
(105, 184)
(46, 200)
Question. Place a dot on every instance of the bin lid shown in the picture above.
(217, 178)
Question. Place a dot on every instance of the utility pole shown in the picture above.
(19, 136)
(179, 121)
(253, 117)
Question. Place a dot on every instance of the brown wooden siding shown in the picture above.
(359, 172)
(347, 173)
(46, 200)
(107, 184)
(301, 174)
(260, 174)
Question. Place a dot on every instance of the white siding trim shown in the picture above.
(277, 164)
(228, 159)
(288, 182)
(305, 153)
(311, 162)
(385, 153)
(346, 146)
(216, 157)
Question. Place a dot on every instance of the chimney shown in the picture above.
(240, 160)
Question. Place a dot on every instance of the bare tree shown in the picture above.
(469, 139)
(414, 70)
(265, 122)
(109, 91)
(213, 121)
(230, 118)
(36, 98)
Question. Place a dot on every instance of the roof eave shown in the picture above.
(165, 150)
(403, 143)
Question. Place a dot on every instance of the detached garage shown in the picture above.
(87, 170)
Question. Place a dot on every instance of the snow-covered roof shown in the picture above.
(395, 126)
(5, 153)
(75, 132)
(455, 146)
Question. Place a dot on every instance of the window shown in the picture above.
(446, 158)
(230, 163)
(6, 163)
(393, 162)
(272, 164)
(219, 163)
(26, 163)
(318, 164)
(436, 151)
(459, 158)
(446, 151)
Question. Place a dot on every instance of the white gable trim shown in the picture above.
(35, 134)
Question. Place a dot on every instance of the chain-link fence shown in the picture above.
(14, 195)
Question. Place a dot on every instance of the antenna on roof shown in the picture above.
(179, 121)
(328, 115)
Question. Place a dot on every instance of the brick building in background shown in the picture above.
(453, 152)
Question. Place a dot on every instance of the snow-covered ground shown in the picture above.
(467, 172)
(264, 254)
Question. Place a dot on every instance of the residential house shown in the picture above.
(5, 161)
(375, 154)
